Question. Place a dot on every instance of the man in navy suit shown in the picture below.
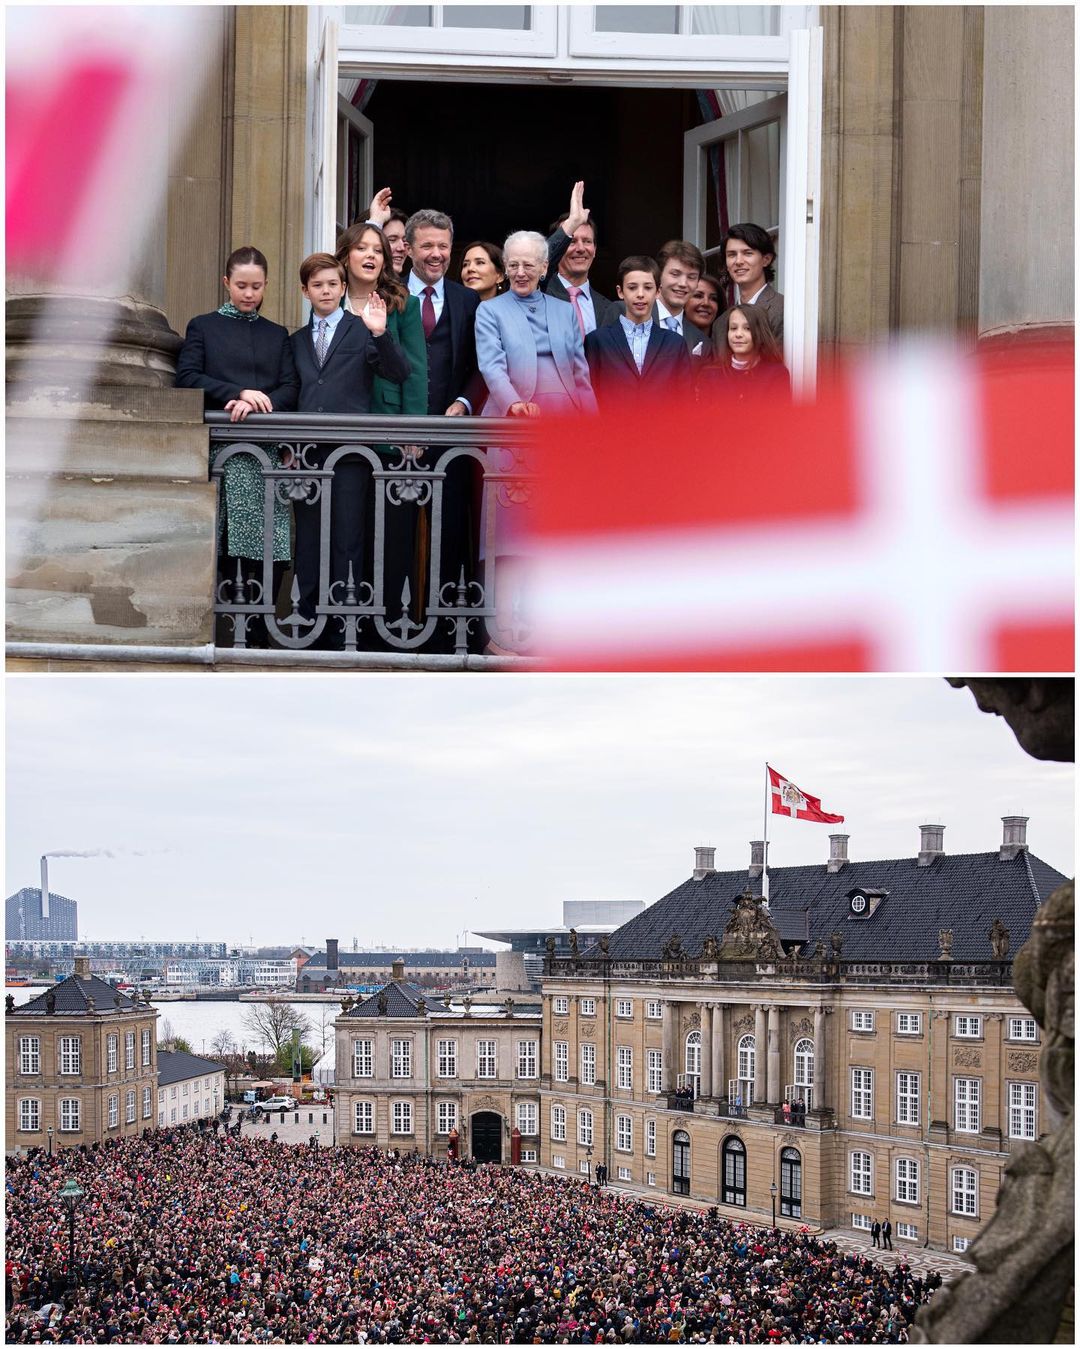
(338, 356)
(634, 357)
(570, 279)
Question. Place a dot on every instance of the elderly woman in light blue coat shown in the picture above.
(529, 346)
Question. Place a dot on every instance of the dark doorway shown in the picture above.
(487, 1136)
(680, 1163)
(500, 157)
(791, 1183)
(734, 1169)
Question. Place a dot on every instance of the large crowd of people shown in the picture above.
(185, 1236)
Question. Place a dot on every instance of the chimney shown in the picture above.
(82, 967)
(757, 857)
(397, 970)
(1013, 837)
(931, 843)
(838, 858)
(44, 887)
(704, 862)
(331, 953)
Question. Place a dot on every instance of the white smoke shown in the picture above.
(104, 852)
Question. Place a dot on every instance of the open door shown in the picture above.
(355, 175)
(770, 173)
(324, 125)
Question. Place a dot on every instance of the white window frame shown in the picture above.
(907, 1231)
(908, 1097)
(906, 1171)
(401, 1058)
(909, 1023)
(624, 1173)
(558, 1124)
(562, 1061)
(624, 1067)
(558, 1161)
(804, 1063)
(70, 1115)
(587, 1007)
(69, 1055)
(560, 1006)
(526, 1119)
(401, 1119)
(113, 1110)
(692, 1056)
(112, 1052)
(967, 1103)
(585, 1128)
(624, 1133)
(654, 1010)
(964, 1191)
(29, 1115)
(487, 1059)
(960, 1244)
(650, 1138)
(129, 1050)
(588, 1065)
(147, 1048)
(967, 1027)
(446, 1117)
(862, 1021)
(861, 1173)
(147, 1102)
(654, 1069)
(363, 1056)
(862, 1093)
(1024, 1029)
(385, 41)
(130, 1107)
(862, 1221)
(528, 1059)
(363, 1111)
(624, 1008)
(747, 1058)
(529, 1155)
(1023, 1110)
(766, 48)
(30, 1055)
(446, 1058)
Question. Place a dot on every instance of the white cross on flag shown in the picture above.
(917, 515)
(788, 800)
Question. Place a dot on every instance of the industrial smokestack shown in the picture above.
(44, 886)
(331, 953)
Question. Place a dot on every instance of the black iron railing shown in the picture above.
(991, 973)
(420, 607)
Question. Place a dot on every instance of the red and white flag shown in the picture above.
(788, 800)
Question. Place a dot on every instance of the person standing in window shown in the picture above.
(483, 269)
(749, 254)
(746, 360)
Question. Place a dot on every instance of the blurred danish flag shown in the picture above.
(916, 516)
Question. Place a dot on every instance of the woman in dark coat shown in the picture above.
(243, 363)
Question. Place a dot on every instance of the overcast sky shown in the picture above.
(405, 809)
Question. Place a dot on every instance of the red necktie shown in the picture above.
(427, 312)
(574, 292)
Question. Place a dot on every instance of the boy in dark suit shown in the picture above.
(338, 356)
(635, 358)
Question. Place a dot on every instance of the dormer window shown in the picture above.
(858, 903)
(863, 902)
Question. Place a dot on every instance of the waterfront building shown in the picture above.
(471, 966)
(189, 1087)
(26, 919)
(231, 972)
(849, 1050)
(81, 1065)
(589, 919)
(429, 1075)
(134, 960)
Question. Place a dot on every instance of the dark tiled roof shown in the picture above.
(401, 1000)
(412, 959)
(176, 1066)
(965, 892)
(71, 995)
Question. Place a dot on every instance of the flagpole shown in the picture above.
(765, 844)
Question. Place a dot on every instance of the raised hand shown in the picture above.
(374, 314)
(379, 210)
(579, 212)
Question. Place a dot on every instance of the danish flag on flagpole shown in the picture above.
(788, 800)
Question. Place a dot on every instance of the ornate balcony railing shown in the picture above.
(991, 973)
(477, 612)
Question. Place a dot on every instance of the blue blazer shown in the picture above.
(507, 353)
(353, 359)
(665, 373)
(221, 356)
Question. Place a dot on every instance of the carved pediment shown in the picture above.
(750, 933)
(797, 1030)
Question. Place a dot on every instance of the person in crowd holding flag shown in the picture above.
(636, 358)
(749, 254)
(483, 269)
(749, 362)
(702, 308)
(244, 364)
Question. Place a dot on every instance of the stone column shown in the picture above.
(719, 1029)
(819, 1058)
(1027, 171)
(760, 1051)
(669, 1064)
(706, 1050)
(774, 1055)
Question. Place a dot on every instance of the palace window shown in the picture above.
(560, 1006)
(587, 1007)
(909, 1023)
(70, 1116)
(968, 1027)
(862, 1173)
(861, 1221)
(402, 1117)
(487, 1058)
(960, 1244)
(147, 1102)
(129, 1104)
(862, 1093)
(1023, 1028)
(129, 1049)
(624, 1008)
(624, 1173)
(907, 1180)
(29, 1054)
(526, 1117)
(447, 1058)
(558, 1124)
(654, 1010)
(650, 1138)
(585, 1128)
(907, 1098)
(624, 1067)
(70, 1051)
(624, 1133)
(363, 1058)
(654, 1065)
(790, 1183)
(747, 1057)
(968, 1104)
(680, 1162)
(401, 1058)
(446, 1117)
(363, 1117)
(114, 1111)
(588, 1065)
(29, 1116)
(907, 1231)
(526, 1058)
(562, 1061)
(146, 1049)
(965, 1191)
(863, 1021)
(734, 1172)
(112, 1046)
(1022, 1109)
(804, 1063)
(693, 1060)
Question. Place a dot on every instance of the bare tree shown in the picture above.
(223, 1046)
(168, 1038)
(272, 1024)
(326, 1025)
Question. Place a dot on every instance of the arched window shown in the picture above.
(680, 1162)
(693, 1062)
(790, 1183)
(804, 1071)
(733, 1172)
(965, 1192)
(747, 1057)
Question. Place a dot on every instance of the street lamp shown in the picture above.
(772, 1193)
(49, 1131)
(70, 1195)
(588, 1164)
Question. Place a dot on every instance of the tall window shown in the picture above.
(70, 1053)
(733, 1165)
(862, 1093)
(907, 1098)
(526, 1058)
(804, 1067)
(447, 1058)
(487, 1062)
(70, 1116)
(129, 1101)
(968, 1104)
(965, 1191)
(585, 1128)
(1022, 1106)
(363, 1052)
(624, 1067)
(680, 1162)
(624, 1133)
(147, 1102)
(654, 1063)
(114, 1111)
(402, 1117)
(907, 1180)
(558, 1124)
(588, 1065)
(862, 1173)
(446, 1117)
(29, 1116)
(562, 1061)
(790, 1183)
(363, 1117)
(401, 1058)
(112, 1045)
(526, 1118)
(146, 1046)
(129, 1049)
(693, 1060)
(29, 1054)
(650, 1138)
(747, 1056)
